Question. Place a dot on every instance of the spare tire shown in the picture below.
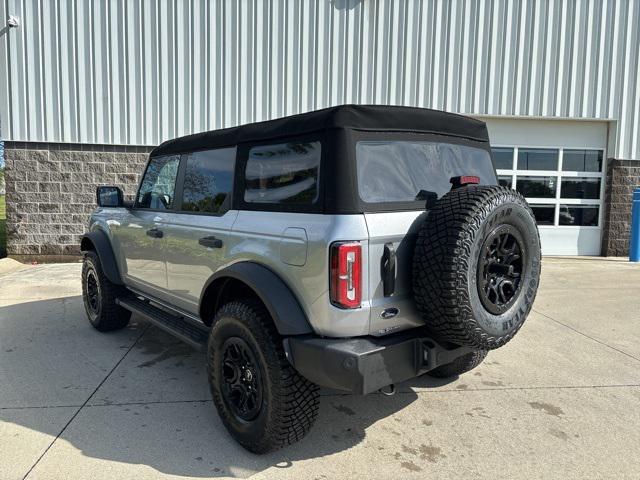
(476, 266)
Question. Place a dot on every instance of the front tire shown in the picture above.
(262, 401)
(99, 296)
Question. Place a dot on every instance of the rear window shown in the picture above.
(397, 171)
(285, 173)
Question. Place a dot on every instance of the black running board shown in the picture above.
(178, 326)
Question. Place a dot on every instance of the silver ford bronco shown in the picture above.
(351, 248)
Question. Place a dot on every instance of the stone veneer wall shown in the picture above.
(51, 190)
(623, 177)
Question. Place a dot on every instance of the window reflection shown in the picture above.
(537, 159)
(580, 187)
(505, 180)
(583, 215)
(502, 158)
(582, 160)
(537, 187)
(544, 213)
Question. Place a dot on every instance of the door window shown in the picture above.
(208, 180)
(159, 184)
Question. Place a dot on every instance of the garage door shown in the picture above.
(559, 167)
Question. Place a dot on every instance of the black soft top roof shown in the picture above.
(355, 117)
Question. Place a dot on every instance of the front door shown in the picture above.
(141, 235)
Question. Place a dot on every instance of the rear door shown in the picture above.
(197, 236)
(398, 180)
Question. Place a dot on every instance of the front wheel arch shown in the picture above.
(98, 242)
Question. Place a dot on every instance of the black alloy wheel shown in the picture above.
(242, 385)
(92, 299)
(500, 269)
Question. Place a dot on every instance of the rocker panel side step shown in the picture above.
(173, 324)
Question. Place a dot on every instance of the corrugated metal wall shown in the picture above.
(139, 72)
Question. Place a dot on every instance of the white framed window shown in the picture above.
(564, 186)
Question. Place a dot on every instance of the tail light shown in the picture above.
(346, 274)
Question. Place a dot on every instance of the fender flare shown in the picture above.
(284, 308)
(102, 247)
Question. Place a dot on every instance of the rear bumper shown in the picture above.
(365, 364)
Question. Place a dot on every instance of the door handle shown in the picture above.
(388, 270)
(155, 233)
(210, 242)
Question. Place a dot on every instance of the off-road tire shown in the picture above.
(107, 315)
(449, 258)
(290, 402)
(460, 365)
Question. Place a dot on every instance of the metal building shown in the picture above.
(558, 82)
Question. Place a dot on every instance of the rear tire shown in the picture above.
(460, 365)
(99, 296)
(264, 403)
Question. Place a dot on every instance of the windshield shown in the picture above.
(404, 171)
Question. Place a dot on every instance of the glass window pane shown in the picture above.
(159, 183)
(544, 213)
(537, 159)
(505, 180)
(580, 187)
(582, 160)
(283, 173)
(537, 187)
(585, 215)
(502, 158)
(401, 171)
(208, 180)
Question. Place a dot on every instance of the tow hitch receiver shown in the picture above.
(434, 355)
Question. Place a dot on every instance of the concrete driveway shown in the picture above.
(562, 400)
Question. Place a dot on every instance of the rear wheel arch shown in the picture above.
(250, 280)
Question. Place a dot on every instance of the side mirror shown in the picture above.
(110, 197)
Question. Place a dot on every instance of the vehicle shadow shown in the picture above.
(148, 398)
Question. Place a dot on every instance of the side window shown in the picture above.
(159, 184)
(284, 173)
(208, 180)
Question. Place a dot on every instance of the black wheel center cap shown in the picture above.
(500, 269)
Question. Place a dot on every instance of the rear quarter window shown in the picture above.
(283, 173)
(396, 171)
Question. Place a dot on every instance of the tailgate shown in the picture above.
(396, 230)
